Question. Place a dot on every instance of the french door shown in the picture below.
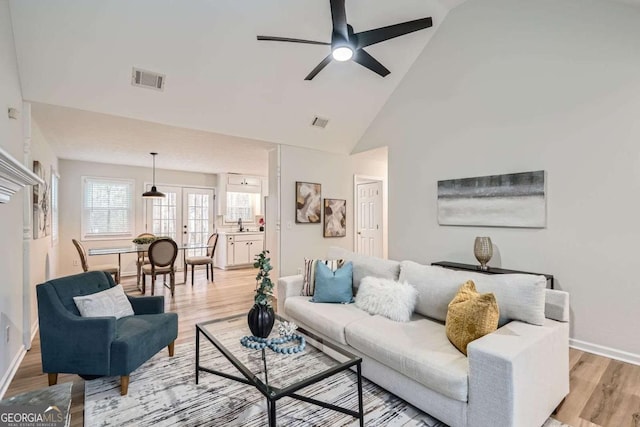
(186, 215)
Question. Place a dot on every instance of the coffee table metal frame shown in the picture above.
(273, 394)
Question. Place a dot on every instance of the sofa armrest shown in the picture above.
(556, 305)
(71, 343)
(518, 374)
(287, 287)
(147, 305)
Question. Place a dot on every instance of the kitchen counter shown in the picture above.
(235, 233)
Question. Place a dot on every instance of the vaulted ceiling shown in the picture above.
(219, 78)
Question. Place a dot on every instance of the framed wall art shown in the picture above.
(41, 225)
(335, 217)
(308, 203)
(510, 200)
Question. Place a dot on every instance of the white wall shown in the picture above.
(512, 86)
(11, 214)
(43, 258)
(71, 173)
(335, 172)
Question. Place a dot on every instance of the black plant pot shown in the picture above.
(260, 319)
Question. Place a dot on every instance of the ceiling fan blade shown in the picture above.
(286, 39)
(367, 38)
(339, 19)
(368, 61)
(319, 67)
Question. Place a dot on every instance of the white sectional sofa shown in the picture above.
(515, 376)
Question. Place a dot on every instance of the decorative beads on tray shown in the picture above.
(274, 344)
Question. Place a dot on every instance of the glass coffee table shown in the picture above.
(277, 375)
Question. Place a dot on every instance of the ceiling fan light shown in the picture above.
(342, 53)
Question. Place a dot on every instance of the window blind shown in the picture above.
(240, 205)
(107, 208)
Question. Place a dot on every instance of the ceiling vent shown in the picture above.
(147, 79)
(319, 122)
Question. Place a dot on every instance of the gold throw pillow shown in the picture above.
(470, 316)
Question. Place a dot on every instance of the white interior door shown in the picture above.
(198, 218)
(369, 219)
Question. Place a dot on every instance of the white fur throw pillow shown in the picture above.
(387, 298)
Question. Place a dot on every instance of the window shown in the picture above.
(107, 208)
(241, 205)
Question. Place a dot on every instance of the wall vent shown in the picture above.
(320, 122)
(147, 79)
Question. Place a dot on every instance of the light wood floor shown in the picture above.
(604, 392)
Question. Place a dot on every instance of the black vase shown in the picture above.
(260, 319)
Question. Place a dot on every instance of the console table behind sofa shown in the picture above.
(491, 270)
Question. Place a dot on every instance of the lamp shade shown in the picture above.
(153, 193)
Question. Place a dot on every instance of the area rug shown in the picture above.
(162, 392)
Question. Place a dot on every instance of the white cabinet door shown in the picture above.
(255, 247)
(230, 258)
(241, 253)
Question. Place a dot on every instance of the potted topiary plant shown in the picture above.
(261, 315)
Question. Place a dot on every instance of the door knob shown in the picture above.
(359, 232)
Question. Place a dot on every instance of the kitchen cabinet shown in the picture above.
(239, 250)
(231, 182)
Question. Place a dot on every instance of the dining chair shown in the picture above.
(162, 257)
(109, 268)
(207, 260)
(143, 257)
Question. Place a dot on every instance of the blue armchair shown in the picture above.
(99, 346)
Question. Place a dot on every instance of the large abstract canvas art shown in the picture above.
(510, 200)
(308, 202)
(335, 217)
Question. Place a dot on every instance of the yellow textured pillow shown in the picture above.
(470, 316)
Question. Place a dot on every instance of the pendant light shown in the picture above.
(154, 193)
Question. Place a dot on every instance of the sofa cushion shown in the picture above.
(519, 296)
(309, 276)
(364, 266)
(155, 330)
(327, 319)
(80, 284)
(388, 298)
(110, 302)
(418, 349)
(334, 286)
(471, 316)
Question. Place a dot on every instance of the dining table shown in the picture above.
(131, 249)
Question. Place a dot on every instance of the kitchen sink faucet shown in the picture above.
(240, 227)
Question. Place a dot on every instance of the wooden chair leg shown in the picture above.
(171, 348)
(124, 385)
(193, 267)
(153, 283)
(144, 284)
(207, 267)
(53, 379)
(172, 282)
(211, 266)
(138, 271)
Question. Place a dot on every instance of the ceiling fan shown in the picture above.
(346, 45)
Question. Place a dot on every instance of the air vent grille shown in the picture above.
(319, 122)
(147, 79)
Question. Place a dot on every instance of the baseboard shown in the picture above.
(609, 352)
(13, 367)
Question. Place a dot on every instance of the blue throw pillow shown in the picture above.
(334, 286)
